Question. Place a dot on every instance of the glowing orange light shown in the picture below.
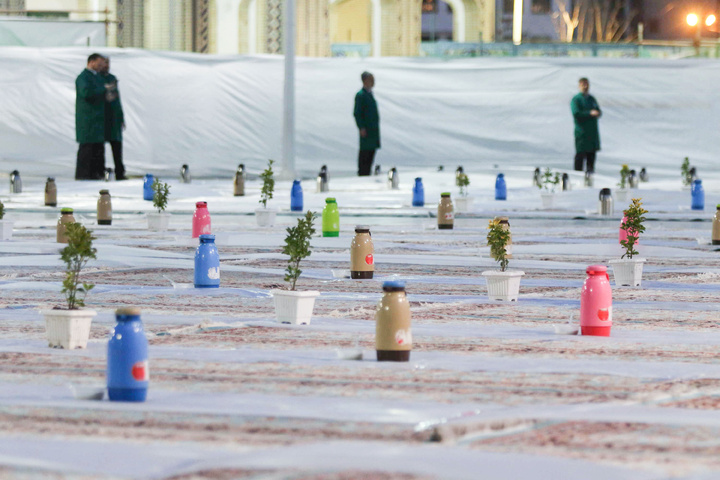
(692, 19)
(710, 20)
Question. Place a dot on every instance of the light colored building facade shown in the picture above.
(388, 27)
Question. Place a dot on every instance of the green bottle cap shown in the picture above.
(66, 210)
(330, 200)
(445, 194)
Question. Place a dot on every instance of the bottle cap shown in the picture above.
(596, 270)
(718, 206)
(51, 179)
(207, 238)
(128, 311)
(503, 220)
(148, 175)
(500, 175)
(104, 192)
(445, 194)
(201, 204)
(66, 210)
(394, 285)
(698, 181)
(296, 182)
(330, 200)
(362, 229)
(418, 179)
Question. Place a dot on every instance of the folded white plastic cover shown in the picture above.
(214, 112)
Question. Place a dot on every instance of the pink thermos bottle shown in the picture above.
(201, 220)
(623, 232)
(596, 302)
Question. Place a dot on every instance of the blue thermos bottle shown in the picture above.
(207, 263)
(418, 193)
(148, 192)
(128, 373)
(296, 197)
(698, 195)
(500, 187)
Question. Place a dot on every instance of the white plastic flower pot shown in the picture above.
(265, 217)
(503, 286)
(548, 199)
(627, 271)
(68, 328)
(158, 222)
(294, 307)
(463, 204)
(621, 194)
(6, 229)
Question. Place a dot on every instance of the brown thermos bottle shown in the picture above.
(362, 260)
(104, 208)
(445, 214)
(239, 181)
(50, 193)
(66, 217)
(716, 227)
(505, 222)
(393, 337)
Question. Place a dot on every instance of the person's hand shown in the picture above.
(363, 133)
(594, 113)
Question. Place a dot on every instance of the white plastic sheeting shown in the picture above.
(29, 32)
(214, 112)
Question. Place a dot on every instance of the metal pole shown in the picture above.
(288, 144)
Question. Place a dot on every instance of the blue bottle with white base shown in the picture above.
(500, 187)
(207, 263)
(698, 195)
(296, 197)
(128, 371)
(418, 193)
(148, 191)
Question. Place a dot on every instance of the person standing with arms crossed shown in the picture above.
(367, 119)
(90, 91)
(586, 112)
(114, 119)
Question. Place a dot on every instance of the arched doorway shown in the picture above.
(437, 21)
(356, 22)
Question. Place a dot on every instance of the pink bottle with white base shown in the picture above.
(623, 232)
(201, 220)
(596, 302)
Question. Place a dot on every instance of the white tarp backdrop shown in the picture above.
(214, 112)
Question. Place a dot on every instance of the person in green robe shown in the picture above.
(114, 119)
(586, 113)
(367, 119)
(90, 91)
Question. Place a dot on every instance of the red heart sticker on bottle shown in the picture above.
(369, 259)
(140, 371)
(603, 314)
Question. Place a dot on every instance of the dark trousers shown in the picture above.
(90, 161)
(365, 161)
(588, 158)
(117, 157)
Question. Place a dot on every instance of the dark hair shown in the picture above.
(94, 57)
(583, 79)
(365, 75)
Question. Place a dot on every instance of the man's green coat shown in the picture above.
(114, 117)
(367, 117)
(90, 107)
(587, 136)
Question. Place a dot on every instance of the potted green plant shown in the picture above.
(627, 270)
(264, 216)
(548, 183)
(70, 328)
(159, 221)
(6, 226)
(502, 284)
(463, 202)
(292, 306)
(685, 172)
(621, 192)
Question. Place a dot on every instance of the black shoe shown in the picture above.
(121, 177)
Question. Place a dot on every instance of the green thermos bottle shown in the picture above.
(331, 219)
